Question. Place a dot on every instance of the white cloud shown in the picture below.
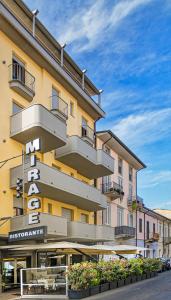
(89, 26)
(152, 179)
(145, 128)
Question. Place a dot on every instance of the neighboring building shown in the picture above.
(120, 188)
(153, 232)
(45, 95)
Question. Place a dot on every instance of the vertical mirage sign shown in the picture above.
(32, 176)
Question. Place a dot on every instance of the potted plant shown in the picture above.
(122, 272)
(135, 269)
(94, 282)
(78, 276)
(103, 270)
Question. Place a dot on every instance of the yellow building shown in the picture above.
(45, 95)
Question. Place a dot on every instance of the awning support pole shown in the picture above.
(81, 252)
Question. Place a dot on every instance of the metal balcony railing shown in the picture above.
(152, 236)
(58, 104)
(125, 231)
(20, 74)
(112, 187)
(87, 132)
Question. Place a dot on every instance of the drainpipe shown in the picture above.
(163, 238)
(144, 232)
(35, 13)
(62, 54)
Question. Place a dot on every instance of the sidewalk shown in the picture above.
(12, 295)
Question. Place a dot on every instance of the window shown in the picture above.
(148, 229)
(18, 70)
(18, 211)
(72, 109)
(120, 216)
(84, 218)
(84, 127)
(16, 108)
(130, 191)
(49, 208)
(107, 215)
(154, 228)
(130, 173)
(55, 99)
(130, 220)
(107, 150)
(120, 181)
(120, 166)
(140, 225)
(67, 213)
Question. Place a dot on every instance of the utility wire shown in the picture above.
(3, 162)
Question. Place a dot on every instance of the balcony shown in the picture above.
(59, 186)
(112, 190)
(87, 134)
(135, 203)
(59, 107)
(88, 161)
(37, 121)
(78, 231)
(167, 240)
(56, 226)
(21, 81)
(152, 237)
(126, 232)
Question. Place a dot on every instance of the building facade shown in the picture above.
(46, 97)
(120, 188)
(153, 232)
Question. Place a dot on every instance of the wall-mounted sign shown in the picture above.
(32, 176)
(27, 234)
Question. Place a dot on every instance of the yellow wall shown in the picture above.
(10, 148)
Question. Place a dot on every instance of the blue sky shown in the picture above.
(126, 47)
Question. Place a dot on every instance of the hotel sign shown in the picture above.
(27, 234)
(32, 176)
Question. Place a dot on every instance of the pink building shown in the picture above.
(120, 187)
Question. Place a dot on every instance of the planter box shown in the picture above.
(144, 276)
(139, 277)
(133, 279)
(128, 280)
(121, 282)
(113, 285)
(78, 294)
(94, 290)
(148, 275)
(104, 287)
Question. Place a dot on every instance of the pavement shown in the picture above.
(157, 288)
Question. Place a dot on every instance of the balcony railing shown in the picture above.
(112, 188)
(58, 105)
(124, 231)
(87, 133)
(20, 74)
(152, 236)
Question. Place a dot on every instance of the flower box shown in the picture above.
(128, 280)
(104, 287)
(139, 277)
(112, 285)
(133, 279)
(144, 276)
(94, 290)
(72, 294)
(121, 282)
(148, 275)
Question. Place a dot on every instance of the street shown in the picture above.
(158, 288)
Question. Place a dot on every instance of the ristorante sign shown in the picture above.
(27, 234)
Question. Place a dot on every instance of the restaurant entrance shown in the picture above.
(11, 271)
